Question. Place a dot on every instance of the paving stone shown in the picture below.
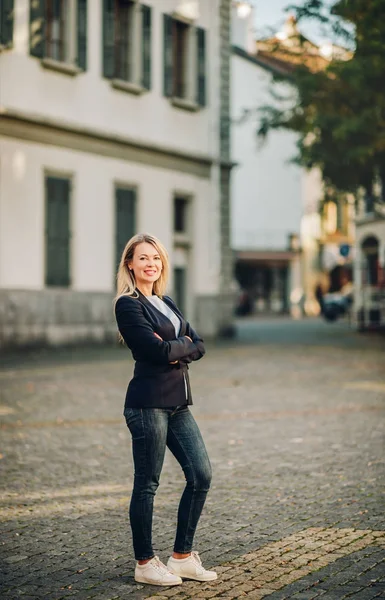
(297, 456)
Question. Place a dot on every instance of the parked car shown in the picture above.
(337, 304)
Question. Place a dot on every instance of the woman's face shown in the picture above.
(146, 264)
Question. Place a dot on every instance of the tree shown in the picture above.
(339, 110)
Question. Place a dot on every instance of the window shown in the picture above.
(125, 219)
(180, 215)
(58, 40)
(182, 245)
(58, 31)
(6, 22)
(124, 50)
(369, 248)
(180, 55)
(180, 288)
(57, 231)
(127, 42)
(184, 61)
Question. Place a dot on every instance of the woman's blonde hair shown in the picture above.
(125, 278)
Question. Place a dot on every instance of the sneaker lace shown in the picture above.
(159, 566)
(196, 559)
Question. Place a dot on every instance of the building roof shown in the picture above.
(264, 61)
(288, 49)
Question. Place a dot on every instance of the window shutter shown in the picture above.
(57, 232)
(180, 288)
(125, 215)
(167, 56)
(82, 34)
(108, 38)
(6, 22)
(201, 66)
(146, 47)
(37, 28)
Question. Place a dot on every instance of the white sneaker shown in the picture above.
(155, 572)
(190, 568)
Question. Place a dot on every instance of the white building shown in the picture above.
(109, 125)
(276, 223)
(369, 266)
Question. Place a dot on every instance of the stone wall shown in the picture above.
(53, 317)
(56, 317)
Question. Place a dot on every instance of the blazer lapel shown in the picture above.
(153, 308)
(179, 315)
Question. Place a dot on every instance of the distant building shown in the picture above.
(267, 192)
(114, 119)
(282, 233)
(369, 265)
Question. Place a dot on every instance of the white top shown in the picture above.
(167, 311)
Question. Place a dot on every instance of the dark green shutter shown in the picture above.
(201, 66)
(180, 288)
(57, 232)
(146, 47)
(6, 22)
(37, 28)
(108, 38)
(167, 56)
(125, 221)
(82, 34)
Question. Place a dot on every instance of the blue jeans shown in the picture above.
(152, 429)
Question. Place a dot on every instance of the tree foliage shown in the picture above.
(339, 110)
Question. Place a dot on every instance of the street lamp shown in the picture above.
(243, 9)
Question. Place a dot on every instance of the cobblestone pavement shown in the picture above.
(293, 418)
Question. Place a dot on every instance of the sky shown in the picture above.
(271, 13)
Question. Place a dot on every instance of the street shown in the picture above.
(292, 413)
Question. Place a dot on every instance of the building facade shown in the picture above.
(113, 120)
(287, 239)
(369, 265)
(267, 191)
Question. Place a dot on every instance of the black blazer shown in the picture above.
(157, 383)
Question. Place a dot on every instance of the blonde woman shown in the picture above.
(157, 411)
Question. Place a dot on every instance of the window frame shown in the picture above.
(67, 38)
(138, 39)
(183, 238)
(181, 32)
(73, 60)
(184, 201)
(194, 77)
(130, 38)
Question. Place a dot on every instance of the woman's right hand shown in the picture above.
(174, 362)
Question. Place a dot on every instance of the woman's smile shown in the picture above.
(147, 267)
